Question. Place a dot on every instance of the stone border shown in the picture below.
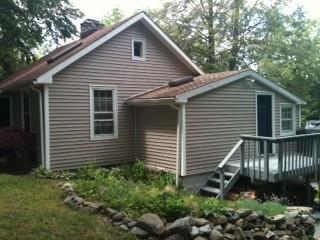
(241, 224)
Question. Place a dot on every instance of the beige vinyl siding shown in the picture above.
(110, 64)
(215, 120)
(156, 136)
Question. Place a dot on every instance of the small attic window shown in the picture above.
(138, 49)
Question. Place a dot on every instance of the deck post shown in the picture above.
(221, 183)
(266, 159)
(242, 149)
(280, 158)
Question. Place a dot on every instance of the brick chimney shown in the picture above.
(89, 26)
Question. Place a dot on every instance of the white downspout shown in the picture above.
(178, 144)
(183, 140)
(41, 124)
(46, 124)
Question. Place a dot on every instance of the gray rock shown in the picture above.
(239, 234)
(200, 238)
(194, 231)
(277, 219)
(240, 223)
(259, 236)
(124, 227)
(181, 225)
(253, 217)
(175, 237)
(221, 220)
(110, 212)
(78, 200)
(205, 230)
(118, 217)
(216, 235)
(200, 221)
(138, 232)
(270, 234)
(131, 224)
(218, 228)
(229, 236)
(152, 223)
(69, 200)
(229, 228)
(94, 206)
(234, 218)
(285, 237)
(242, 212)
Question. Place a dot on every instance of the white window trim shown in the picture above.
(293, 132)
(135, 58)
(114, 90)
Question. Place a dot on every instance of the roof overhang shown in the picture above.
(183, 98)
(148, 22)
(151, 102)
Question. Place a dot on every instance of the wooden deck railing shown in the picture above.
(293, 156)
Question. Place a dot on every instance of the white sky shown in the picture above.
(96, 9)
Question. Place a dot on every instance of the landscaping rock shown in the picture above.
(69, 200)
(152, 223)
(205, 230)
(242, 212)
(138, 232)
(239, 234)
(229, 228)
(259, 236)
(110, 212)
(124, 227)
(229, 236)
(221, 220)
(175, 237)
(277, 219)
(200, 238)
(78, 200)
(94, 206)
(253, 217)
(194, 231)
(118, 217)
(200, 221)
(233, 218)
(218, 228)
(270, 234)
(131, 224)
(216, 235)
(181, 225)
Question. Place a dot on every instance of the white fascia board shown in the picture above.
(47, 77)
(185, 96)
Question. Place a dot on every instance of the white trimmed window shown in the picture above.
(138, 47)
(104, 116)
(287, 118)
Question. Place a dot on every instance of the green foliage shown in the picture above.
(26, 24)
(267, 208)
(112, 17)
(43, 173)
(212, 206)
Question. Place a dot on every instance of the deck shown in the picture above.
(305, 165)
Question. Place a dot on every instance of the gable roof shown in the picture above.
(204, 83)
(43, 69)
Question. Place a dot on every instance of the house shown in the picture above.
(129, 92)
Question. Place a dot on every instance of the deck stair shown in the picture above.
(223, 178)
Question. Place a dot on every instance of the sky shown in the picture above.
(96, 9)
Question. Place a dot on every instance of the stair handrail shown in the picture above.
(220, 167)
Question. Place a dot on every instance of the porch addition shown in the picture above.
(293, 157)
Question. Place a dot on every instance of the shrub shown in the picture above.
(18, 147)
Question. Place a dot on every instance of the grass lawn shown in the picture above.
(32, 208)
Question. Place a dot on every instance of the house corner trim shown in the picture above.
(46, 126)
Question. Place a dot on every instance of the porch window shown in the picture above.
(287, 119)
(103, 112)
(26, 111)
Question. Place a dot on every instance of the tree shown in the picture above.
(115, 16)
(27, 24)
(220, 34)
(292, 59)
